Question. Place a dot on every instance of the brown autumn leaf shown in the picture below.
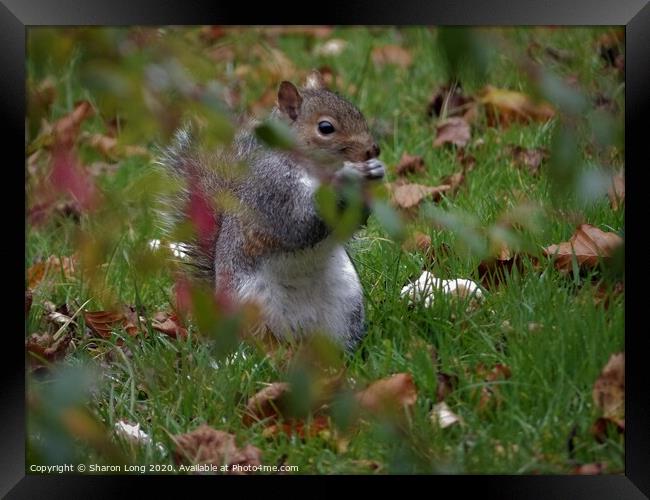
(589, 244)
(417, 242)
(111, 148)
(269, 403)
(609, 390)
(528, 158)
(455, 181)
(490, 394)
(493, 270)
(298, 427)
(454, 131)
(449, 101)
(66, 129)
(603, 294)
(408, 196)
(467, 161)
(211, 33)
(311, 31)
(446, 384)
(589, 469)
(410, 165)
(388, 395)
(52, 267)
(504, 107)
(616, 191)
(169, 324)
(205, 445)
(392, 54)
(105, 322)
(45, 346)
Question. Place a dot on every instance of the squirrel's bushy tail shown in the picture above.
(177, 160)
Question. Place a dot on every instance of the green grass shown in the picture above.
(172, 386)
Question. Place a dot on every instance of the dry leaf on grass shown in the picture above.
(588, 243)
(609, 390)
(105, 322)
(589, 469)
(418, 242)
(529, 158)
(490, 394)
(48, 348)
(52, 267)
(616, 191)
(408, 196)
(504, 107)
(392, 54)
(449, 101)
(169, 324)
(206, 445)
(410, 165)
(443, 417)
(110, 147)
(269, 403)
(454, 181)
(388, 395)
(454, 131)
(318, 425)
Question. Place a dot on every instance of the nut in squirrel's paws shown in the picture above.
(372, 169)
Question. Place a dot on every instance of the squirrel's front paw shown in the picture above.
(370, 170)
(374, 169)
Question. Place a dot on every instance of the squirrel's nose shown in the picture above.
(373, 151)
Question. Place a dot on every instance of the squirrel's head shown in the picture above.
(326, 122)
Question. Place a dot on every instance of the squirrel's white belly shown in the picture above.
(308, 291)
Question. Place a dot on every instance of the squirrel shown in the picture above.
(274, 248)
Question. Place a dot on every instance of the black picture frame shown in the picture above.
(16, 15)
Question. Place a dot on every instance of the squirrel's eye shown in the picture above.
(325, 127)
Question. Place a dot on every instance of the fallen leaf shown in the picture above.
(51, 267)
(490, 394)
(449, 101)
(169, 324)
(313, 31)
(206, 445)
(504, 107)
(410, 165)
(589, 469)
(443, 417)
(467, 161)
(609, 390)
(212, 33)
(269, 403)
(45, 346)
(446, 385)
(110, 147)
(588, 243)
(318, 425)
(454, 131)
(604, 293)
(616, 191)
(408, 196)
(528, 158)
(454, 181)
(392, 54)
(493, 270)
(418, 242)
(66, 129)
(105, 322)
(388, 395)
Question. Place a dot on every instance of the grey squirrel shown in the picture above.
(269, 244)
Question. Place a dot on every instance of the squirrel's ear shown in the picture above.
(314, 80)
(289, 99)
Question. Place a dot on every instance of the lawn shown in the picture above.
(517, 370)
